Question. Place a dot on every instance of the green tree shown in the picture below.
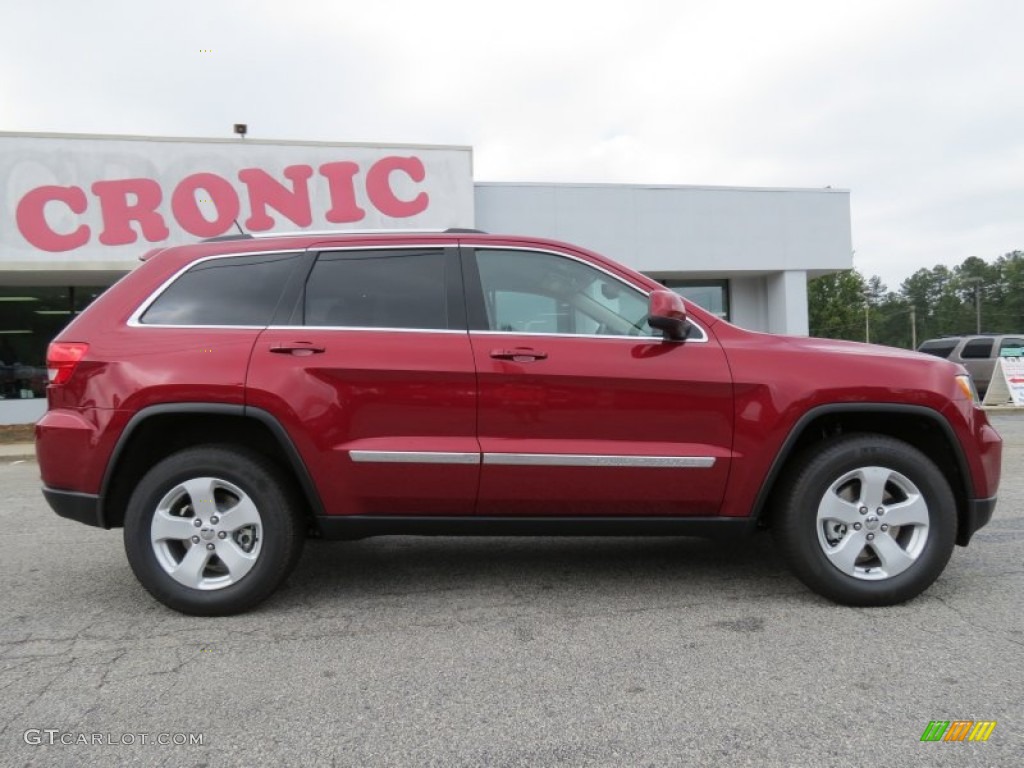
(976, 280)
(937, 302)
(932, 292)
(1003, 310)
(891, 322)
(835, 305)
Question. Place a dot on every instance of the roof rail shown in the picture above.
(222, 238)
(344, 232)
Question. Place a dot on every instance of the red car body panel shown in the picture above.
(611, 397)
(375, 391)
(779, 379)
(735, 398)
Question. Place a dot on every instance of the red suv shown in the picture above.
(227, 399)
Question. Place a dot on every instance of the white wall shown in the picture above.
(691, 229)
(22, 411)
(787, 302)
(764, 241)
(748, 302)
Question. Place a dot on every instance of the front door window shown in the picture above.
(529, 292)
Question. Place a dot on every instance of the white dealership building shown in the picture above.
(78, 211)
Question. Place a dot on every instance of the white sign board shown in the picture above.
(109, 199)
(1007, 384)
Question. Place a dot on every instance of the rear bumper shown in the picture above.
(977, 515)
(81, 507)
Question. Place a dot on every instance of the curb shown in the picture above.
(17, 452)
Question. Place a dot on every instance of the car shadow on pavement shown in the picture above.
(406, 565)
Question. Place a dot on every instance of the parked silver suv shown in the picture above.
(976, 353)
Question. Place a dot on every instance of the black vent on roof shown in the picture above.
(460, 230)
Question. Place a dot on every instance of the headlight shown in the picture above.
(966, 384)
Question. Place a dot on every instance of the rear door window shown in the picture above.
(379, 289)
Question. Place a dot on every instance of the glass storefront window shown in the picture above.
(712, 295)
(30, 316)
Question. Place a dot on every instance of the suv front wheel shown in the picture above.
(212, 530)
(866, 520)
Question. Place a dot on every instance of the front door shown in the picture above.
(583, 411)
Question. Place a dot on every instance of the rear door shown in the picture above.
(372, 375)
(583, 411)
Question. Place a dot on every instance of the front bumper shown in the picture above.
(976, 515)
(82, 507)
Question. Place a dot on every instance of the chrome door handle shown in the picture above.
(299, 348)
(519, 355)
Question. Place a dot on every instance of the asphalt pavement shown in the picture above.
(505, 652)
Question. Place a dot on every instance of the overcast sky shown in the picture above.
(915, 106)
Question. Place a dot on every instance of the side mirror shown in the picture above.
(667, 313)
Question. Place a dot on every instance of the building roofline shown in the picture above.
(617, 185)
(215, 140)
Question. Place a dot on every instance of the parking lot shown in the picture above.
(506, 652)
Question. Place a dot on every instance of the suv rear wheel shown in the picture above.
(212, 530)
(866, 520)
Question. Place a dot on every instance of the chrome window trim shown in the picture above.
(200, 327)
(643, 291)
(594, 460)
(414, 457)
(361, 328)
(654, 339)
(374, 329)
(135, 322)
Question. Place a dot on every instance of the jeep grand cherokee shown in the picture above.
(228, 399)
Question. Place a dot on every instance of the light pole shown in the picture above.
(976, 282)
(867, 316)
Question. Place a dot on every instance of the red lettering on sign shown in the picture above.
(378, 186)
(31, 218)
(341, 183)
(130, 207)
(265, 190)
(118, 212)
(188, 213)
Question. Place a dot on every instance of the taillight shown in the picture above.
(61, 359)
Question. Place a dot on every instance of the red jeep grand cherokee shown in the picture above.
(229, 398)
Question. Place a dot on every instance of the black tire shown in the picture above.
(233, 477)
(840, 478)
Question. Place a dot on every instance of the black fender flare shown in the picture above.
(279, 433)
(785, 451)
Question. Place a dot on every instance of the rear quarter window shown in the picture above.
(241, 291)
(941, 348)
(1011, 347)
